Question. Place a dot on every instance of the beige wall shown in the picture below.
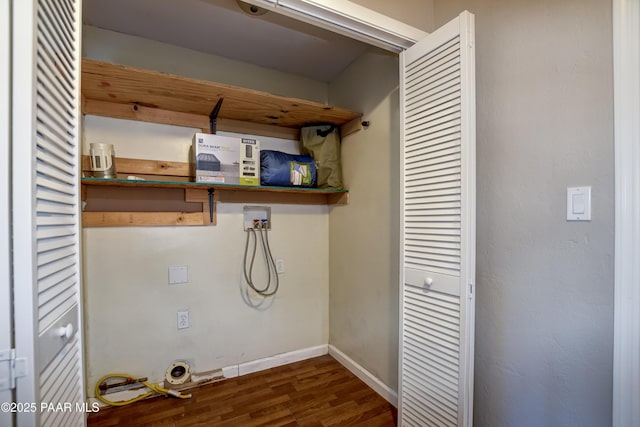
(364, 235)
(544, 319)
(120, 48)
(364, 246)
(130, 307)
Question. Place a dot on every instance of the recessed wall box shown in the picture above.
(257, 214)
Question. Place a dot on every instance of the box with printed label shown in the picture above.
(226, 160)
(249, 161)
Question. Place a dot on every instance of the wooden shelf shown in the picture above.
(117, 182)
(166, 197)
(237, 193)
(132, 93)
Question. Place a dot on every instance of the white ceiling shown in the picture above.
(220, 27)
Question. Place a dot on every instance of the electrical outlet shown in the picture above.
(280, 266)
(183, 319)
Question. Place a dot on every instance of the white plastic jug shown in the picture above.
(103, 160)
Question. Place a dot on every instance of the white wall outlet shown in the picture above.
(279, 266)
(183, 319)
(178, 274)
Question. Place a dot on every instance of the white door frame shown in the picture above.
(626, 351)
(349, 19)
(6, 394)
(24, 264)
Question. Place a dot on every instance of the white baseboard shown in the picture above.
(367, 377)
(307, 353)
(235, 370)
(294, 356)
(274, 361)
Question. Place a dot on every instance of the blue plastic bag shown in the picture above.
(287, 170)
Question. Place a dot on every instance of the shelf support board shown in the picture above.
(143, 113)
(131, 219)
(129, 166)
(239, 196)
(353, 126)
(338, 199)
(209, 213)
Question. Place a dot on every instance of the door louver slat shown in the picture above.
(447, 382)
(445, 388)
(418, 189)
(442, 110)
(63, 389)
(433, 327)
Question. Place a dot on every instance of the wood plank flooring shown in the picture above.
(314, 392)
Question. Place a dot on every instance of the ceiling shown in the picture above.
(220, 27)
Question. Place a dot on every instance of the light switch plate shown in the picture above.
(579, 204)
(178, 274)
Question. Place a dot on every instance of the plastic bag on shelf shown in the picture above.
(322, 142)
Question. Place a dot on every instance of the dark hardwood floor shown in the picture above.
(314, 392)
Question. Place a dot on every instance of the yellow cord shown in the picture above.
(152, 389)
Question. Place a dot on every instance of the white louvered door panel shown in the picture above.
(47, 271)
(438, 228)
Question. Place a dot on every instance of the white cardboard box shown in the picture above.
(226, 160)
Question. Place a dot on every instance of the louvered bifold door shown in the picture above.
(46, 214)
(438, 228)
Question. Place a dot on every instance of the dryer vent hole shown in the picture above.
(178, 372)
